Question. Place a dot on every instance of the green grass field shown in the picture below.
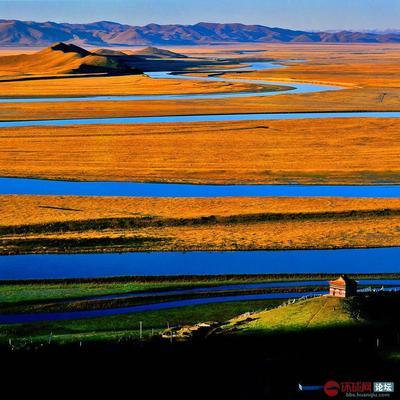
(125, 326)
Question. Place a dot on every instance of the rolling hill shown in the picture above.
(315, 312)
(155, 52)
(109, 52)
(62, 58)
(29, 33)
(368, 309)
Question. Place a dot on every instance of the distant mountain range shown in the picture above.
(105, 33)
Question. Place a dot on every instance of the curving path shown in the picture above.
(60, 316)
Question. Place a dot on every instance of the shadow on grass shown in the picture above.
(238, 367)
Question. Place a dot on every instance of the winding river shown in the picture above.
(291, 87)
(256, 66)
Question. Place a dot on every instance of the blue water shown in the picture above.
(201, 118)
(24, 186)
(50, 266)
(59, 316)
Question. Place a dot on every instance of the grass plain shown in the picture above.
(322, 151)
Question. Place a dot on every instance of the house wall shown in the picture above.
(337, 292)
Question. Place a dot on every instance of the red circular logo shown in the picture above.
(331, 388)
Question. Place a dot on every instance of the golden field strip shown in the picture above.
(320, 151)
(67, 224)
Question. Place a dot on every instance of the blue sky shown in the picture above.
(295, 14)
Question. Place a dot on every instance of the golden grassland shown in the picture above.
(320, 151)
(51, 223)
(369, 73)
